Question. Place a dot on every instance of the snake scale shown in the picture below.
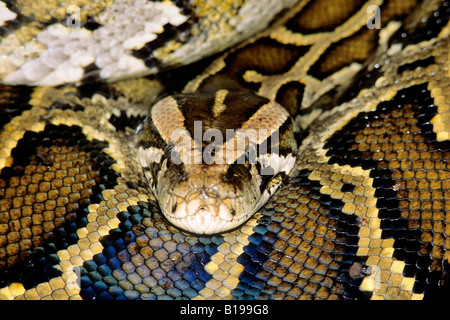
(363, 214)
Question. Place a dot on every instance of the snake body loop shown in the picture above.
(268, 150)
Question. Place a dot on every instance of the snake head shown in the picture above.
(214, 159)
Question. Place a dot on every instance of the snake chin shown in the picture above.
(206, 215)
(203, 201)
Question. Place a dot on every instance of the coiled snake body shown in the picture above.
(355, 204)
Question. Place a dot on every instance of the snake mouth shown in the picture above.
(204, 212)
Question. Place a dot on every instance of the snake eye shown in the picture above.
(172, 156)
(168, 150)
(237, 173)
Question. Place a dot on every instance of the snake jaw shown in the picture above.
(204, 212)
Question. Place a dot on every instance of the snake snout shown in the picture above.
(204, 211)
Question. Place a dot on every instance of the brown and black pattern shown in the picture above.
(410, 169)
(407, 34)
(361, 45)
(13, 101)
(370, 193)
(302, 248)
(311, 19)
(265, 56)
(259, 64)
(55, 175)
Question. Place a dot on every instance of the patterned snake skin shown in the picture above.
(365, 214)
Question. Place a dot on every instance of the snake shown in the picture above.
(224, 150)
